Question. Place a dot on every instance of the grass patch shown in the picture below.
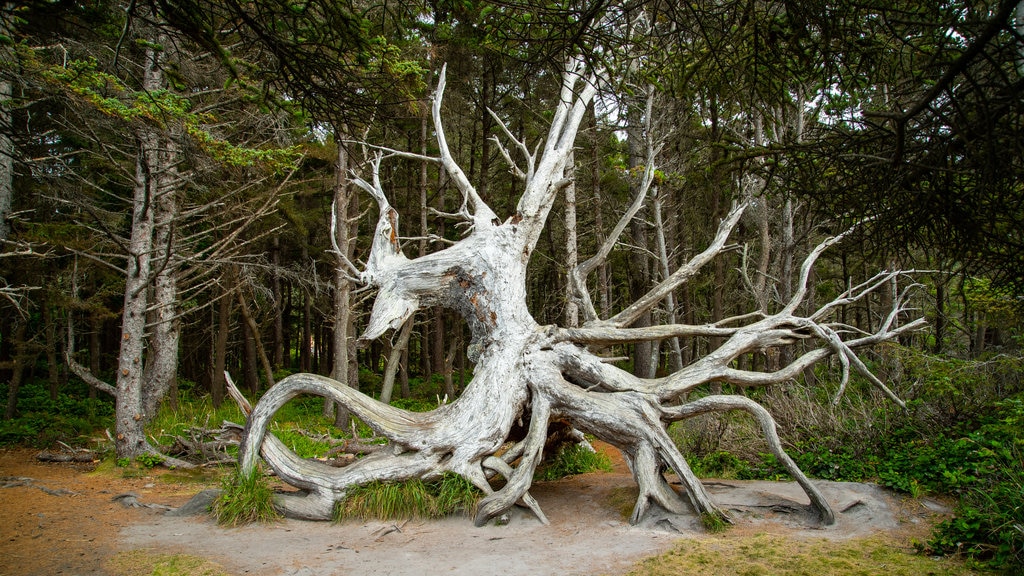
(146, 563)
(448, 496)
(623, 499)
(246, 498)
(714, 523)
(573, 459)
(771, 555)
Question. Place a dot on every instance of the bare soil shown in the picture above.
(62, 519)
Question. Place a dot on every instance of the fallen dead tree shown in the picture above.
(537, 373)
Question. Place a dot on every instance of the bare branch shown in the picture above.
(684, 273)
(482, 213)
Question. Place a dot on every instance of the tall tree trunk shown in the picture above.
(95, 348)
(676, 352)
(572, 311)
(19, 358)
(603, 297)
(53, 367)
(279, 340)
(220, 339)
(254, 329)
(645, 353)
(6, 143)
(424, 185)
(250, 361)
(341, 229)
(129, 413)
(162, 357)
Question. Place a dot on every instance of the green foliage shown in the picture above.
(720, 464)
(450, 495)
(149, 460)
(302, 444)
(106, 93)
(989, 522)
(573, 459)
(41, 421)
(246, 498)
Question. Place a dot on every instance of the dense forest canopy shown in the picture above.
(189, 188)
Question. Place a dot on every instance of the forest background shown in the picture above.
(174, 194)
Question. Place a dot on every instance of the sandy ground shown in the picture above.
(63, 521)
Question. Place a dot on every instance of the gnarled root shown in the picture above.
(725, 403)
(322, 485)
(520, 478)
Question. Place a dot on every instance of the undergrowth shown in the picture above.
(40, 421)
(246, 498)
(961, 434)
(448, 496)
(573, 459)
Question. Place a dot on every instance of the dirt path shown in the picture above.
(64, 522)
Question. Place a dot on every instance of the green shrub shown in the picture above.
(720, 464)
(573, 459)
(988, 525)
(246, 498)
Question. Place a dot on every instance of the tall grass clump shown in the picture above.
(449, 495)
(246, 498)
(574, 459)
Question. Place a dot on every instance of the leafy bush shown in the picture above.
(450, 495)
(573, 459)
(989, 521)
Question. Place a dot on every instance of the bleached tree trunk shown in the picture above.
(675, 350)
(572, 313)
(525, 370)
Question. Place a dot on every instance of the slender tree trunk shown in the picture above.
(343, 354)
(6, 143)
(53, 366)
(676, 355)
(603, 298)
(394, 359)
(220, 340)
(254, 330)
(279, 340)
(19, 358)
(130, 415)
(424, 185)
(95, 349)
(572, 312)
(645, 353)
(940, 313)
(250, 362)
(162, 358)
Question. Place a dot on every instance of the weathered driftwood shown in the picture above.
(539, 373)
